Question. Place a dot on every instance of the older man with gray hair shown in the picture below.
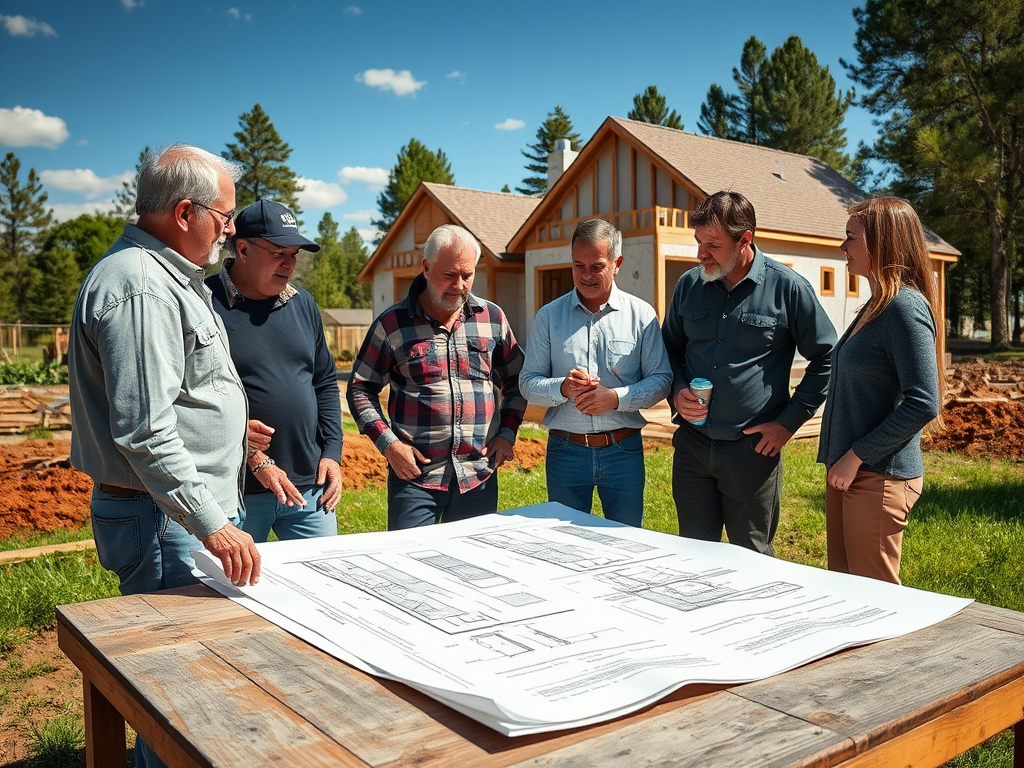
(596, 357)
(157, 408)
(442, 350)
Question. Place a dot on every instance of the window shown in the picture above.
(828, 281)
(852, 285)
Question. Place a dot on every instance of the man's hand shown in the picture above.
(259, 435)
(773, 437)
(329, 473)
(842, 474)
(597, 400)
(688, 406)
(405, 459)
(577, 382)
(275, 480)
(237, 554)
(498, 451)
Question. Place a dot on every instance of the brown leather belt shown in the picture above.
(596, 439)
(117, 490)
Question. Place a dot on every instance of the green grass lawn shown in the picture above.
(965, 537)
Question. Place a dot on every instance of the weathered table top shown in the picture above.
(206, 682)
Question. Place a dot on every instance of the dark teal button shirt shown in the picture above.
(744, 340)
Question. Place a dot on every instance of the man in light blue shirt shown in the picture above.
(596, 357)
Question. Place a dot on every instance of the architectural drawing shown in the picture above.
(545, 618)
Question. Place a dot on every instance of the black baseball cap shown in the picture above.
(274, 222)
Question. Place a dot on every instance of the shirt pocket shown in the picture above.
(202, 360)
(421, 362)
(623, 358)
(757, 331)
(480, 352)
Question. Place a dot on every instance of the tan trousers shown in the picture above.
(865, 524)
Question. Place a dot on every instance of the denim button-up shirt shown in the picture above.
(156, 403)
(621, 344)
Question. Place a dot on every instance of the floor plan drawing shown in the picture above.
(544, 618)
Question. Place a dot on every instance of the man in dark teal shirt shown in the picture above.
(738, 320)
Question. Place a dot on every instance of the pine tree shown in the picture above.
(802, 111)
(263, 155)
(415, 163)
(360, 295)
(717, 113)
(124, 200)
(326, 279)
(556, 126)
(650, 107)
(786, 101)
(24, 219)
(946, 79)
(749, 103)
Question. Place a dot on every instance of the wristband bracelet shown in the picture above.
(267, 462)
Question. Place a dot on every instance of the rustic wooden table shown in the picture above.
(206, 682)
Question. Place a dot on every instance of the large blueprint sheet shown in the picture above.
(544, 618)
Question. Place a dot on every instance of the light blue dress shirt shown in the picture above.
(621, 344)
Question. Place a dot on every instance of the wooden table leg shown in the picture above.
(104, 731)
(1018, 745)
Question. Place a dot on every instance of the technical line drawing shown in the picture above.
(571, 556)
(599, 537)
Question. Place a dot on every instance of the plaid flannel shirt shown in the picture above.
(442, 382)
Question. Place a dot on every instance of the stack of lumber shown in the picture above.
(22, 410)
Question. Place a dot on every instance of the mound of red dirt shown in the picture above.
(40, 491)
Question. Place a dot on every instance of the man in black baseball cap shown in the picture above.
(274, 223)
(278, 346)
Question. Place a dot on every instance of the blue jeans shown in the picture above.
(617, 470)
(263, 511)
(410, 506)
(148, 551)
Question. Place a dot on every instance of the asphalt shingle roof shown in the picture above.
(493, 217)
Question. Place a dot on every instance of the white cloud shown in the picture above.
(456, 75)
(67, 211)
(369, 234)
(510, 125)
(374, 178)
(130, 4)
(20, 26)
(23, 127)
(401, 83)
(320, 194)
(354, 10)
(84, 181)
(238, 15)
(359, 215)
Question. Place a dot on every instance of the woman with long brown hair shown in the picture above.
(886, 387)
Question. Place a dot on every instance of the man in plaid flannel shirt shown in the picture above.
(442, 351)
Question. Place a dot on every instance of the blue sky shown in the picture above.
(86, 85)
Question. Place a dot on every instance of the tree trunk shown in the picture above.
(999, 279)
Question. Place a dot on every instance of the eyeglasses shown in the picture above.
(227, 216)
(276, 254)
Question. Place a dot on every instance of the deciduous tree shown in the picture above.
(415, 163)
(24, 218)
(556, 126)
(649, 106)
(263, 156)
